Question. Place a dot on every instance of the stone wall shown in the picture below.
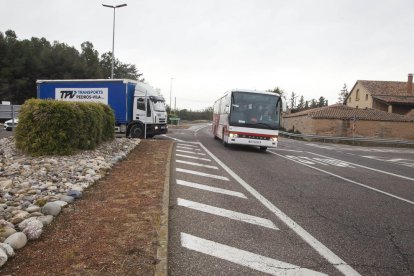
(343, 128)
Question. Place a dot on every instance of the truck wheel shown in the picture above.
(136, 131)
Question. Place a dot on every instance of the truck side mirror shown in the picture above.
(226, 109)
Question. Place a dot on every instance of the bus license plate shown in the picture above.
(254, 142)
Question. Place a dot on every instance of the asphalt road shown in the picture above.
(301, 209)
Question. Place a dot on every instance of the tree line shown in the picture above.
(298, 103)
(190, 115)
(22, 62)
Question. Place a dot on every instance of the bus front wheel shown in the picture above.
(263, 148)
(224, 141)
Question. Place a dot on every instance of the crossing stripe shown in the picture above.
(192, 152)
(196, 164)
(226, 213)
(182, 147)
(242, 257)
(209, 188)
(202, 174)
(193, 157)
(182, 143)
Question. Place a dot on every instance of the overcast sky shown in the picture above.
(210, 46)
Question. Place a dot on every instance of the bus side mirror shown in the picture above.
(284, 108)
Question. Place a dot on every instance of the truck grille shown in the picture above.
(161, 120)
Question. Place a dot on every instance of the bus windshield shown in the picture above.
(255, 110)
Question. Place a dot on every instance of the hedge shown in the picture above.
(48, 127)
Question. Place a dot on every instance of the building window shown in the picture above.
(366, 97)
(357, 95)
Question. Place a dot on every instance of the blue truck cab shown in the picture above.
(139, 110)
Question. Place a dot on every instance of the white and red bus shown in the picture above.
(248, 117)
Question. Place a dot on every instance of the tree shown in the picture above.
(322, 102)
(277, 90)
(22, 62)
(292, 100)
(301, 104)
(343, 94)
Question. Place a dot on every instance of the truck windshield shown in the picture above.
(159, 105)
(255, 110)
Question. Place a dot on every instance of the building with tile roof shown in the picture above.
(345, 121)
(389, 96)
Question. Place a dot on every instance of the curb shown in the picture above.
(161, 269)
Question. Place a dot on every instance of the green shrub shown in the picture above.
(48, 127)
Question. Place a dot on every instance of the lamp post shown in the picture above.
(113, 35)
(170, 93)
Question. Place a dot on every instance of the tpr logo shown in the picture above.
(64, 94)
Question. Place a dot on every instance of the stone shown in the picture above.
(51, 208)
(24, 223)
(8, 249)
(7, 232)
(61, 203)
(75, 194)
(33, 230)
(19, 217)
(3, 257)
(68, 199)
(45, 220)
(17, 240)
(32, 209)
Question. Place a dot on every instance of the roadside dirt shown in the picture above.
(112, 230)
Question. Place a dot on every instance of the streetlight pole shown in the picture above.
(113, 35)
(170, 93)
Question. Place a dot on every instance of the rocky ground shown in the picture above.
(109, 229)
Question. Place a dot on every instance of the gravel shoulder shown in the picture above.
(112, 229)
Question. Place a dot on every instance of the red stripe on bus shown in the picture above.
(254, 134)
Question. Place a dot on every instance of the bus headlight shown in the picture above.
(273, 139)
(232, 135)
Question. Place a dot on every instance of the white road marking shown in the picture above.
(347, 180)
(398, 161)
(189, 148)
(175, 139)
(210, 189)
(226, 213)
(192, 152)
(192, 157)
(280, 149)
(202, 174)
(196, 164)
(325, 252)
(368, 168)
(187, 145)
(242, 257)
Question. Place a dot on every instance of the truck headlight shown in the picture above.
(156, 127)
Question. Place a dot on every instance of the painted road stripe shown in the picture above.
(346, 179)
(192, 157)
(209, 188)
(187, 144)
(368, 168)
(196, 164)
(244, 258)
(175, 139)
(202, 174)
(188, 148)
(191, 152)
(324, 251)
(226, 213)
